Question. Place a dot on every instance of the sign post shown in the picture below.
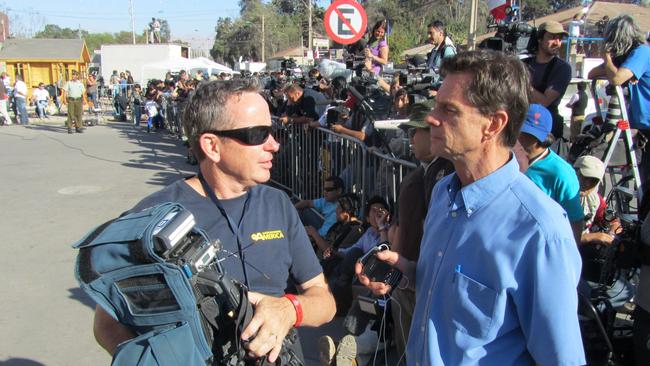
(345, 21)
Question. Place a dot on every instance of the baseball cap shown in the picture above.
(553, 27)
(419, 112)
(590, 167)
(538, 122)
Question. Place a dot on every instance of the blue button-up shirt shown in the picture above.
(497, 275)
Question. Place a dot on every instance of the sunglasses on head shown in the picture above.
(255, 135)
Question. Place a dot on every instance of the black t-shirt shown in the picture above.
(306, 107)
(274, 243)
(557, 77)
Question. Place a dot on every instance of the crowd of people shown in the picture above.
(551, 181)
(487, 232)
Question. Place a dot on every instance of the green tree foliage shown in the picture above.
(56, 32)
(285, 27)
(165, 31)
(286, 23)
(96, 40)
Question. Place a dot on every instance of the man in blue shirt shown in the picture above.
(498, 269)
(326, 205)
(552, 174)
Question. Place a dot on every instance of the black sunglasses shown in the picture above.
(255, 135)
(330, 189)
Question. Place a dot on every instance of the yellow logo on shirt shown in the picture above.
(268, 235)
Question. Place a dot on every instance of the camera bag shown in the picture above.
(174, 314)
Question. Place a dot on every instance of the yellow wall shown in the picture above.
(45, 72)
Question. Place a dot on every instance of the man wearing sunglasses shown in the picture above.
(325, 206)
(264, 244)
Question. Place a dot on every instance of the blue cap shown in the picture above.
(538, 122)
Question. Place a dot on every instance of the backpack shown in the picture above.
(157, 274)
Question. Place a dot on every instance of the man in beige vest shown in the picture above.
(73, 93)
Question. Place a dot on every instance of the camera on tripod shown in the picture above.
(510, 37)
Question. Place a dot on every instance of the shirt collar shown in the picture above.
(426, 166)
(478, 194)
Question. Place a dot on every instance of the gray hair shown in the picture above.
(207, 108)
(499, 82)
(622, 35)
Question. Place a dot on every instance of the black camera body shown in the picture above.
(287, 66)
(512, 38)
(377, 270)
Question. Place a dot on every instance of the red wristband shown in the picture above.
(297, 307)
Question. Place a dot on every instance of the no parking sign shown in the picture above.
(345, 21)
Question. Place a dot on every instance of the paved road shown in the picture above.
(54, 187)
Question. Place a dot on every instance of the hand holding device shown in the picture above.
(377, 270)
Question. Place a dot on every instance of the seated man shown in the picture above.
(338, 266)
(599, 231)
(590, 171)
(326, 206)
(358, 346)
(552, 174)
(345, 232)
(41, 99)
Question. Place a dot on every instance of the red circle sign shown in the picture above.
(345, 21)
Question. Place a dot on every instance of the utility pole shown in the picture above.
(132, 20)
(473, 18)
(263, 38)
(309, 37)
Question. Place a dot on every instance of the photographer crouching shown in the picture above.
(229, 129)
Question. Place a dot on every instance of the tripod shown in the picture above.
(622, 193)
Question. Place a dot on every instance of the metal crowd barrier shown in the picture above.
(307, 156)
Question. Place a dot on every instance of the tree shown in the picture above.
(165, 31)
(93, 40)
(56, 32)
(535, 8)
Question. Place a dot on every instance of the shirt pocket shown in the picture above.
(473, 306)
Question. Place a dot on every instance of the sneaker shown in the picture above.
(326, 350)
(79, 130)
(70, 130)
(346, 352)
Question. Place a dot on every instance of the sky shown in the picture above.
(190, 20)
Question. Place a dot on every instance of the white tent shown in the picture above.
(211, 66)
(157, 70)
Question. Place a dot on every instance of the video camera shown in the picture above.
(355, 57)
(510, 37)
(416, 76)
(287, 66)
(222, 301)
(369, 98)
